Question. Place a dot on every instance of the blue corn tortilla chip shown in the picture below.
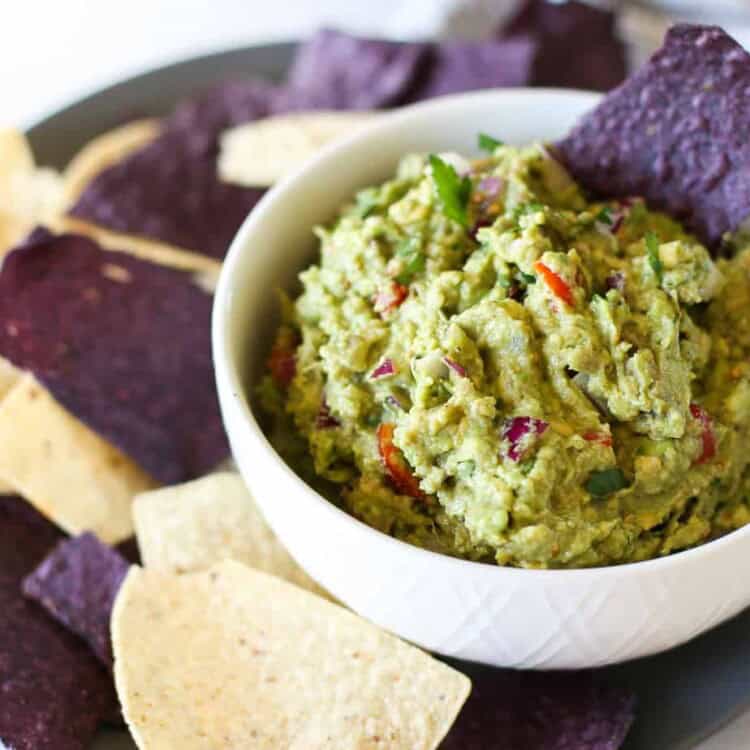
(77, 584)
(540, 711)
(169, 190)
(578, 44)
(122, 343)
(335, 70)
(675, 133)
(53, 691)
(467, 66)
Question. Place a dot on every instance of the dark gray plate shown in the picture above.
(684, 695)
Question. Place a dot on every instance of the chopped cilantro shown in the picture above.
(605, 216)
(528, 278)
(410, 250)
(652, 248)
(527, 466)
(367, 202)
(488, 143)
(452, 190)
(603, 483)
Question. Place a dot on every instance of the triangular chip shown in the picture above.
(123, 344)
(77, 584)
(533, 710)
(235, 658)
(53, 692)
(258, 154)
(599, 64)
(74, 477)
(335, 70)
(675, 133)
(169, 190)
(192, 526)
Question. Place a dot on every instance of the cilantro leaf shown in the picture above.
(452, 190)
(603, 483)
(487, 142)
(605, 216)
(652, 248)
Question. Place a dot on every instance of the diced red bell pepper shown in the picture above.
(395, 464)
(556, 284)
(598, 437)
(708, 436)
(390, 298)
(282, 361)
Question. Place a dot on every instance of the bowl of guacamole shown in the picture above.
(487, 408)
(487, 364)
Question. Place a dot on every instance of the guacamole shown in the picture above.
(487, 364)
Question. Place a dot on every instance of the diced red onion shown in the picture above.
(623, 212)
(458, 369)
(391, 400)
(324, 419)
(383, 370)
(490, 186)
(616, 280)
(516, 429)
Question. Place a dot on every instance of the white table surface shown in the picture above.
(52, 52)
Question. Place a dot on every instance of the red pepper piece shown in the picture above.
(556, 284)
(598, 437)
(395, 464)
(282, 361)
(708, 436)
(390, 298)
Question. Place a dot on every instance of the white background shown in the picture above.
(54, 51)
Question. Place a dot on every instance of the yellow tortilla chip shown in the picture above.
(28, 195)
(72, 476)
(151, 250)
(192, 526)
(235, 658)
(103, 152)
(260, 153)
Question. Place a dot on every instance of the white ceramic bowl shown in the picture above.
(500, 616)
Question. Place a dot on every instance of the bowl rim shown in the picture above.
(230, 383)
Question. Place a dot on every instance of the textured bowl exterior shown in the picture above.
(500, 616)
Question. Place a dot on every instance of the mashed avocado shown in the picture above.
(486, 364)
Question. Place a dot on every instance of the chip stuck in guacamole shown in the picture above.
(489, 364)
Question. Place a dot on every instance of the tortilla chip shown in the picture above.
(577, 42)
(335, 70)
(123, 344)
(169, 190)
(674, 133)
(468, 66)
(28, 195)
(195, 525)
(70, 474)
(232, 657)
(103, 152)
(53, 689)
(527, 710)
(258, 154)
(77, 584)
